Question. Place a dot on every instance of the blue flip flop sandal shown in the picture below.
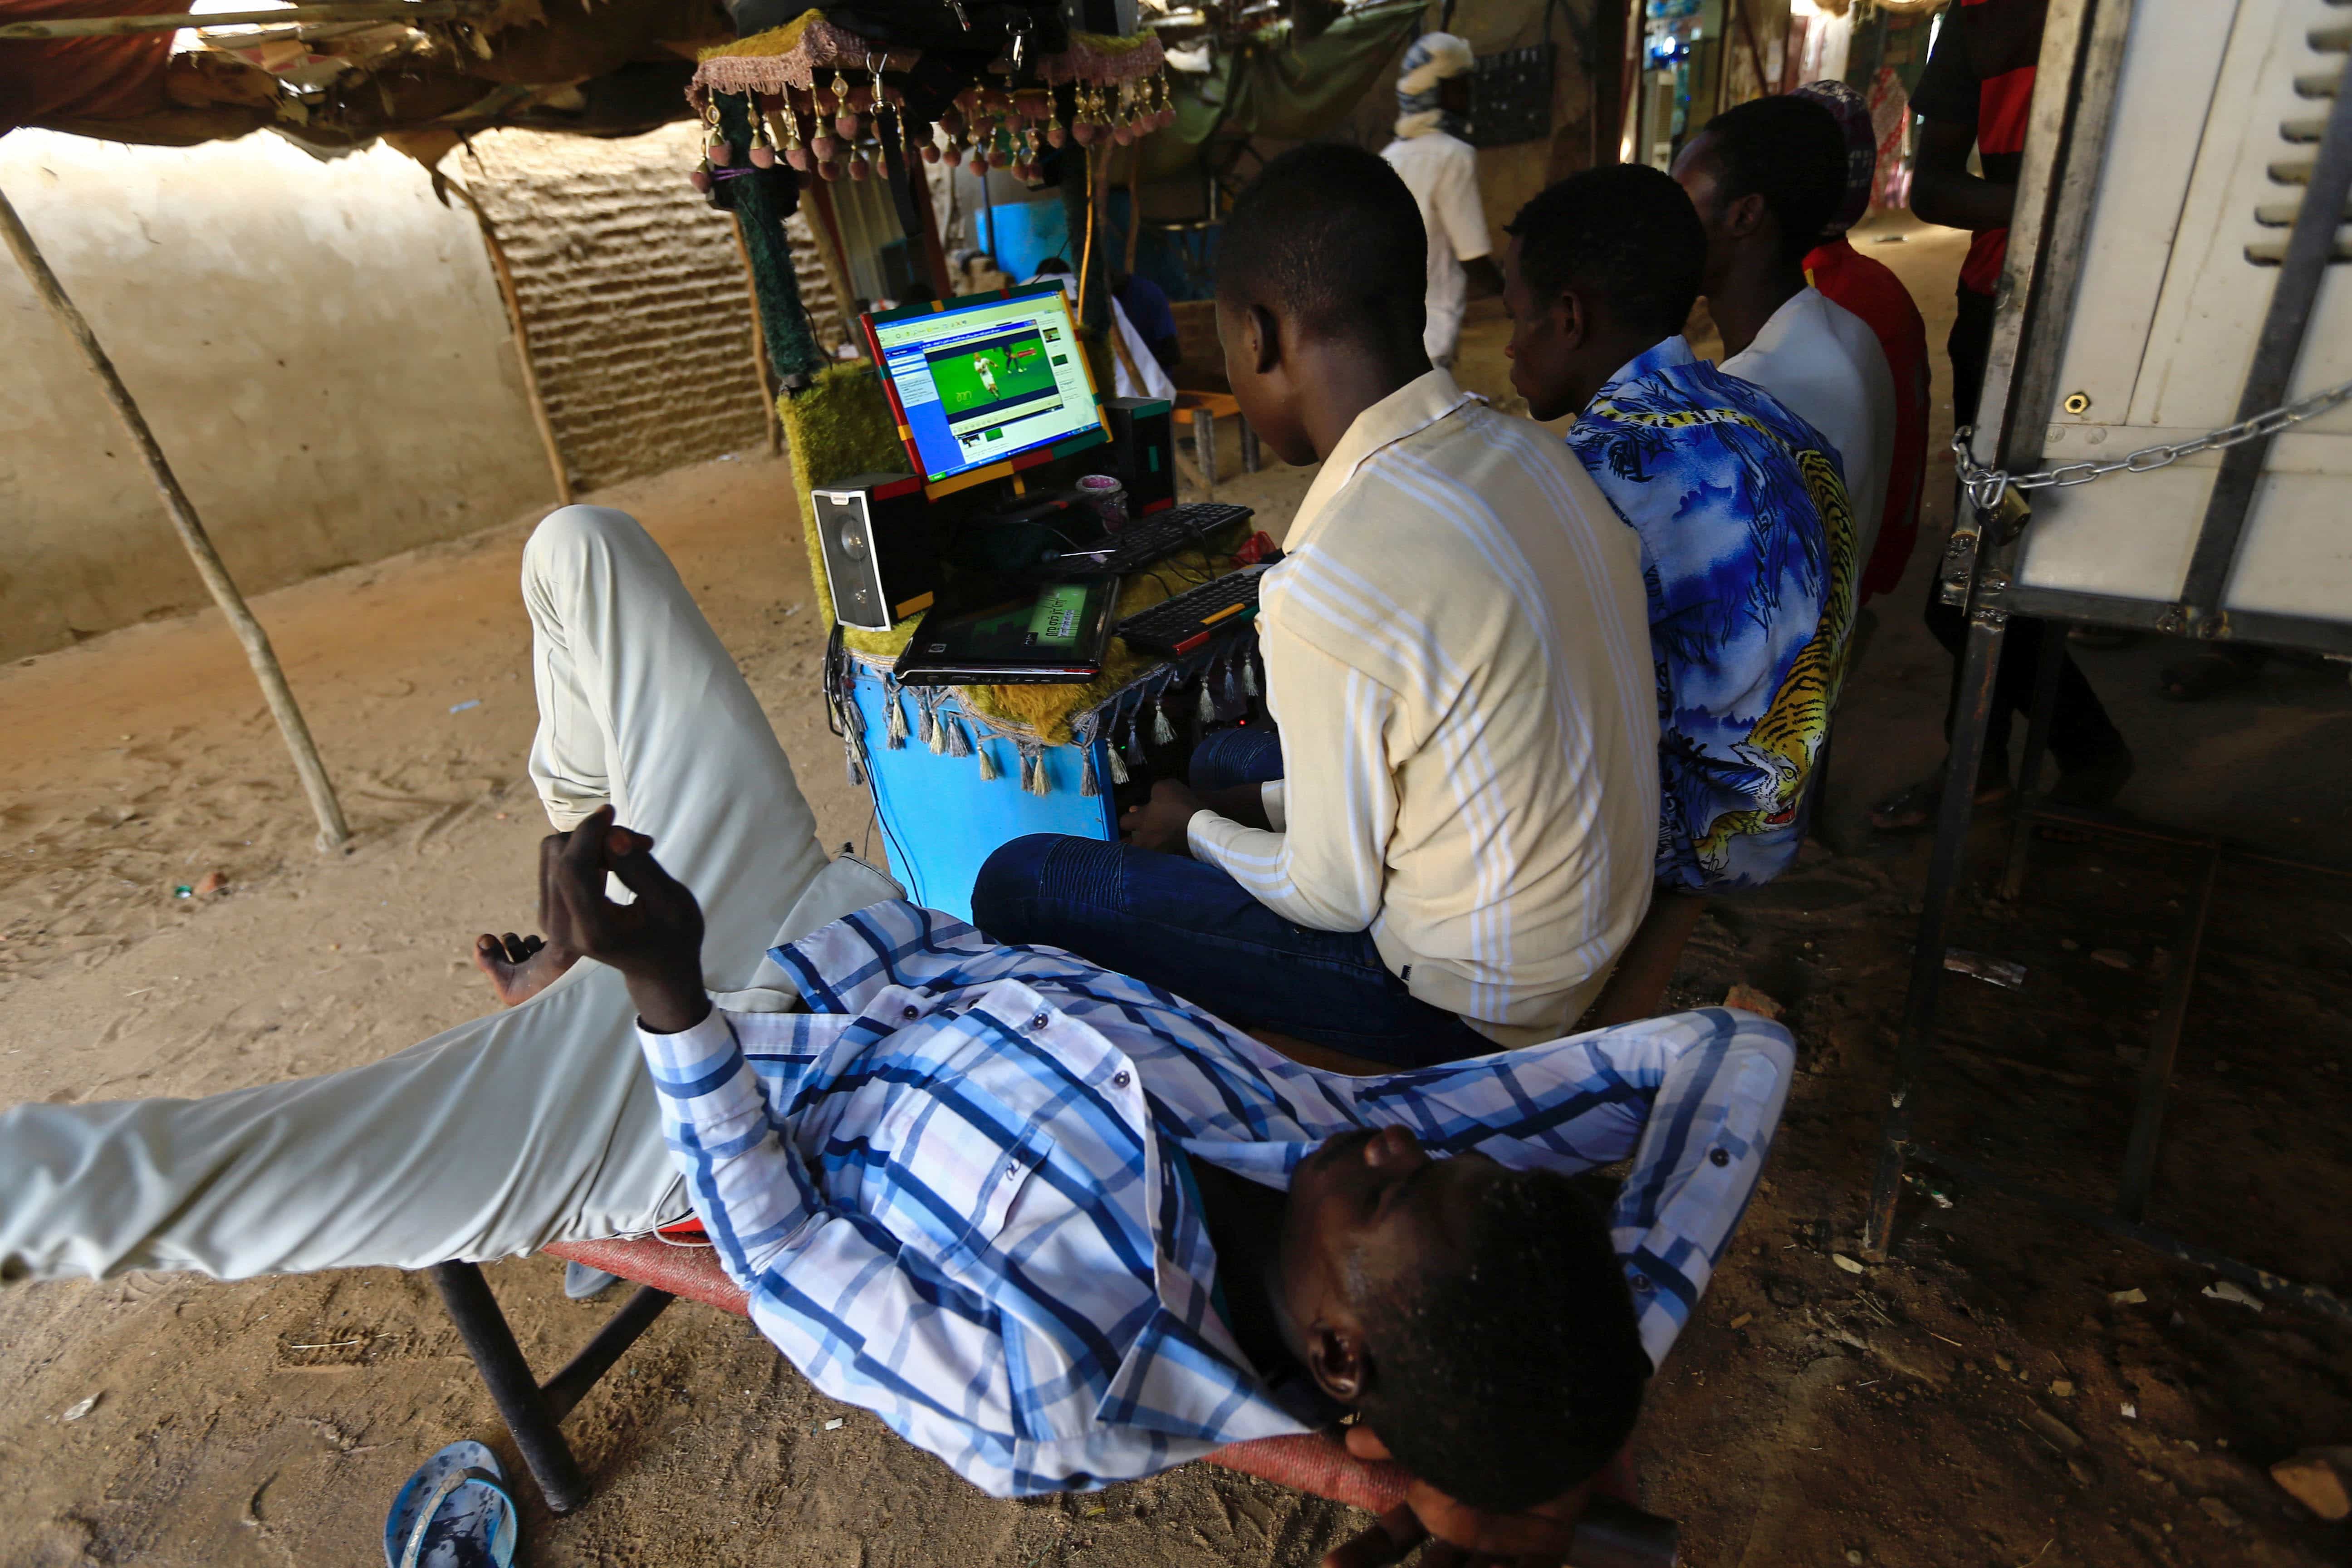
(454, 1512)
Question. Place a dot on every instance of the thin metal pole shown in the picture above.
(508, 293)
(333, 833)
(2310, 246)
(2164, 1050)
(352, 11)
(507, 1375)
(1134, 203)
(2046, 672)
(1979, 673)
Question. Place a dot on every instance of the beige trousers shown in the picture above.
(536, 1124)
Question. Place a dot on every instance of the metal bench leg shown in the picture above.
(504, 1371)
(1204, 446)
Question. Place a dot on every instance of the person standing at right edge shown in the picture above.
(1975, 93)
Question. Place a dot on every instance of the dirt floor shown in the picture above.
(1994, 1393)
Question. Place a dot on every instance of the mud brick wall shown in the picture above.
(635, 294)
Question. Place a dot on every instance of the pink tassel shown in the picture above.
(700, 180)
(762, 156)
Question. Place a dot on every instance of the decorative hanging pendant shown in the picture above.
(876, 95)
(844, 116)
(796, 153)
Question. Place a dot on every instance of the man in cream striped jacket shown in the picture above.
(1450, 840)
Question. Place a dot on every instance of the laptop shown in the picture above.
(1013, 633)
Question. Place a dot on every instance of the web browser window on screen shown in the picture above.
(978, 382)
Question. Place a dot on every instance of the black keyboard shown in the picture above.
(1179, 625)
(1148, 540)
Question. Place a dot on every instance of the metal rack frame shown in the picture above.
(2083, 47)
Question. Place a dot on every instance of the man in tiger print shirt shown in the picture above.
(1747, 544)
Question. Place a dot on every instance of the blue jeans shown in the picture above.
(1174, 922)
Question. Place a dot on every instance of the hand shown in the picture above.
(1161, 823)
(656, 942)
(1459, 1536)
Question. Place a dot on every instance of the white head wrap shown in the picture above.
(1432, 58)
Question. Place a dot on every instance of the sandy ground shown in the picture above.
(1963, 1403)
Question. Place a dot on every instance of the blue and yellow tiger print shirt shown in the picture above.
(1747, 553)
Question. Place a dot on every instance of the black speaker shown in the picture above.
(1144, 451)
(881, 548)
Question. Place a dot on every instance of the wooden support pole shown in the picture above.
(532, 394)
(774, 422)
(927, 217)
(348, 11)
(1096, 179)
(333, 833)
(816, 198)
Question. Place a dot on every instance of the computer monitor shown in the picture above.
(986, 384)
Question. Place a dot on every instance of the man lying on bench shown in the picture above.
(1054, 1226)
(1060, 1227)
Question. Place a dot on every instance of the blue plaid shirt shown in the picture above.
(957, 1190)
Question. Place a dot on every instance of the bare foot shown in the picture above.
(519, 967)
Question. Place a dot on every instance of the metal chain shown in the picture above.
(1988, 487)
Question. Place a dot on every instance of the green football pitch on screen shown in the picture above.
(969, 380)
